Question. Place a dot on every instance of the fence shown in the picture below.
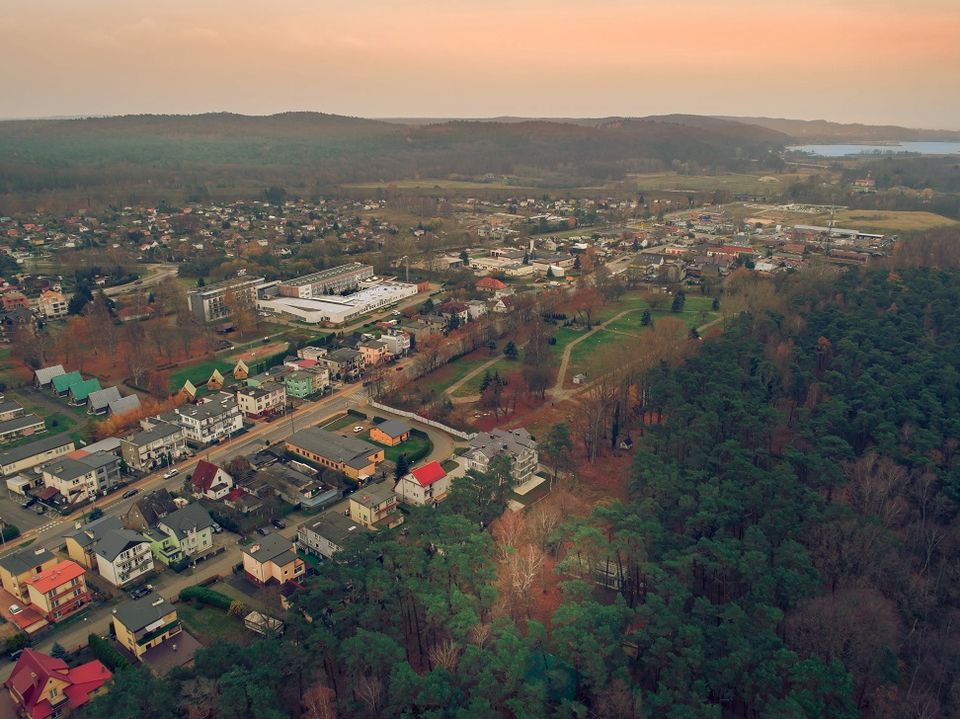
(430, 422)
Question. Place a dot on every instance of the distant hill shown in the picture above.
(824, 131)
(312, 152)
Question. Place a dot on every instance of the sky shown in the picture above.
(872, 61)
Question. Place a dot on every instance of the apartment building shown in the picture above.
(515, 444)
(159, 446)
(59, 591)
(123, 557)
(211, 420)
(143, 624)
(52, 304)
(265, 400)
(81, 477)
(333, 280)
(218, 300)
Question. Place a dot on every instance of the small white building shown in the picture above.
(424, 486)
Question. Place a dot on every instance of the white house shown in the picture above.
(123, 557)
(424, 485)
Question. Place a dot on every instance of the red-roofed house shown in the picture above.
(427, 484)
(210, 481)
(490, 285)
(59, 591)
(42, 686)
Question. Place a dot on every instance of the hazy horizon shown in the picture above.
(880, 62)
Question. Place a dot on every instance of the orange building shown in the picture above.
(59, 591)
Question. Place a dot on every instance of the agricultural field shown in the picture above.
(881, 221)
(772, 184)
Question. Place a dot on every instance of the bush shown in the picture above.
(181, 565)
(10, 531)
(102, 650)
(238, 609)
(225, 521)
(207, 596)
(356, 413)
(17, 641)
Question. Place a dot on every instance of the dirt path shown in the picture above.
(557, 392)
(467, 377)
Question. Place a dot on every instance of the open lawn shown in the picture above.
(199, 373)
(888, 221)
(341, 423)
(439, 380)
(747, 184)
(213, 626)
(472, 387)
(411, 447)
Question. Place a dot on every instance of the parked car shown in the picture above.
(358, 429)
(217, 528)
(15, 609)
(141, 592)
(278, 523)
(29, 503)
(130, 492)
(172, 473)
(263, 531)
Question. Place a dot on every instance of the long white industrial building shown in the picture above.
(339, 310)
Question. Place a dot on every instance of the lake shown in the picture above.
(843, 150)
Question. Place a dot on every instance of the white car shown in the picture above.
(358, 429)
(15, 609)
(171, 473)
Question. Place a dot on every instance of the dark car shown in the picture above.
(278, 523)
(29, 503)
(139, 593)
(130, 492)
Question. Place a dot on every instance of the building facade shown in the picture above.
(325, 282)
(82, 478)
(515, 444)
(217, 301)
(161, 445)
(59, 591)
(142, 624)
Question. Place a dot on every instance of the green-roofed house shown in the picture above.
(79, 391)
(62, 383)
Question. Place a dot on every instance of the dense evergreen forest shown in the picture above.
(789, 549)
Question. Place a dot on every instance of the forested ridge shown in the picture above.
(789, 549)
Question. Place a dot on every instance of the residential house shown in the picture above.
(18, 568)
(189, 530)
(476, 309)
(81, 541)
(79, 391)
(374, 352)
(142, 624)
(52, 304)
(397, 342)
(489, 285)
(450, 310)
(19, 427)
(391, 433)
(123, 557)
(298, 488)
(13, 299)
(214, 419)
(210, 481)
(80, 477)
(353, 457)
(375, 506)
(273, 558)
(61, 383)
(99, 402)
(42, 687)
(505, 305)
(12, 321)
(326, 535)
(59, 591)
(43, 377)
(425, 485)
(148, 510)
(124, 405)
(268, 399)
(344, 363)
(305, 383)
(160, 446)
(515, 444)
(10, 410)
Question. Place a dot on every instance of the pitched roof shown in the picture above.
(490, 283)
(55, 576)
(61, 383)
(115, 542)
(428, 473)
(101, 398)
(373, 495)
(25, 451)
(25, 560)
(204, 474)
(272, 548)
(394, 427)
(125, 404)
(45, 375)
(82, 390)
(34, 670)
(154, 506)
(192, 518)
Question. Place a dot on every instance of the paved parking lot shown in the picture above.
(12, 513)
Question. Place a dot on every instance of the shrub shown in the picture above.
(10, 531)
(356, 413)
(206, 596)
(102, 650)
(17, 641)
(237, 609)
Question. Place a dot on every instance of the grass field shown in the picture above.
(747, 184)
(453, 372)
(341, 423)
(438, 183)
(409, 448)
(889, 221)
(213, 626)
(472, 386)
(199, 373)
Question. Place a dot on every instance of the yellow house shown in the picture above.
(272, 558)
(354, 457)
(375, 506)
(145, 623)
(241, 371)
(18, 568)
(391, 433)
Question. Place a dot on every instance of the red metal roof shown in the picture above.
(33, 670)
(57, 575)
(428, 473)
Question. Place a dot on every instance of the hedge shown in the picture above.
(10, 531)
(103, 651)
(356, 413)
(207, 596)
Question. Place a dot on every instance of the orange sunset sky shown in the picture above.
(873, 61)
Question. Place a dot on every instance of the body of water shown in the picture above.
(893, 148)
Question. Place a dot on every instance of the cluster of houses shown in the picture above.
(79, 392)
